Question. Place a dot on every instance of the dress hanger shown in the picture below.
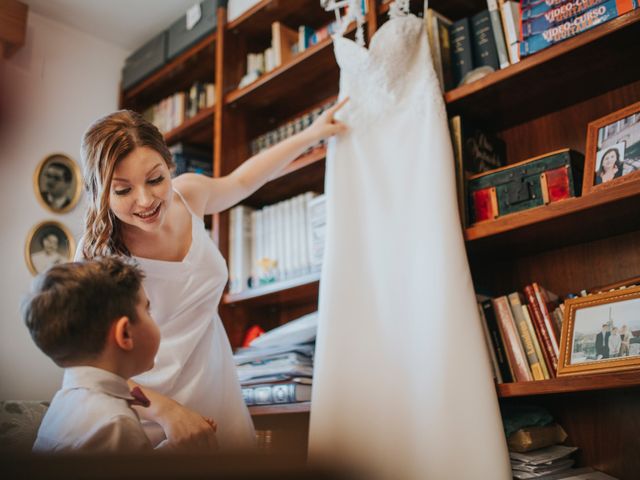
(354, 13)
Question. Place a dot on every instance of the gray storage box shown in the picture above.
(144, 61)
(180, 38)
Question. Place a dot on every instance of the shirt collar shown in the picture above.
(96, 379)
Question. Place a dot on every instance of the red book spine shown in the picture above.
(513, 346)
(541, 331)
(546, 316)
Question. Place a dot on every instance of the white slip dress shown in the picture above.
(403, 385)
(194, 364)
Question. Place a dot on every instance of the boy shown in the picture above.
(92, 318)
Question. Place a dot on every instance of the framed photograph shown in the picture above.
(601, 333)
(48, 243)
(613, 149)
(57, 183)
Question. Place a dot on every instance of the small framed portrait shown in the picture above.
(613, 149)
(601, 333)
(48, 243)
(57, 183)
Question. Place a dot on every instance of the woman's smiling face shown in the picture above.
(141, 191)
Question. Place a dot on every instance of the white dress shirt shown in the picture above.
(91, 414)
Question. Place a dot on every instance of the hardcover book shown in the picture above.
(498, 33)
(276, 394)
(485, 52)
(525, 336)
(497, 341)
(461, 49)
(513, 345)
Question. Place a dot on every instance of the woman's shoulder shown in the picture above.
(192, 190)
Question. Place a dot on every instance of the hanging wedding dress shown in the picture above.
(403, 386)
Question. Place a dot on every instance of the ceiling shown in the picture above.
(126, 23)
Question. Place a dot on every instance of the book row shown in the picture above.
(506, 31)
(171, 112)
(287, 130)
(280, 241)
(286, 42)
(523, 334)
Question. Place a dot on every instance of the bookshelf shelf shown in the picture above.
(599, 214)
(303, 175)
(195, 63)
(283, 408)
(196, 129)
(304, 288)
(576, 383)
(538, 84)
(316, 65)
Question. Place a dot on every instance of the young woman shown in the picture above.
(136, 209)
(610, 168)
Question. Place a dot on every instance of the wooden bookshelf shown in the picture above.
(589, 63)
(279, 409)
(539, 105)
(295, 289)
(196, 129)
(600, 214)
(570, 384)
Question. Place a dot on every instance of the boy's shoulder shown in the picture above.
(91, 412)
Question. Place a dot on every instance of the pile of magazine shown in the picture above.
(277, 367)
(542, 462)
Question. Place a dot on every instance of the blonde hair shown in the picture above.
(105, 143)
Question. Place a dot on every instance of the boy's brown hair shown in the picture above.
(72, 306)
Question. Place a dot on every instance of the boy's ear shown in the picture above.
(122, 333)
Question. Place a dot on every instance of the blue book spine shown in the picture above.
(541, 6)
(555, 16)
(591, 18)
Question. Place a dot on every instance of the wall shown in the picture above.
(52, 89)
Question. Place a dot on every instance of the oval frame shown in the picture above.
(76, 175)
(32, 234)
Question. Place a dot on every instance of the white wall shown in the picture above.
(52, 89)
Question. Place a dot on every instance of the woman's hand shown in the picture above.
(187, 430)
(326, 125)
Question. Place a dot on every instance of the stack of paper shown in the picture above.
(541, 462)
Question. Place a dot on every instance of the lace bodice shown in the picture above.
(397, 63)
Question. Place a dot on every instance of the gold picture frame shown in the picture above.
(601, 333)
(615, 137)
(57, 182)
(48, 243)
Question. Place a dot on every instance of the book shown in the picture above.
(276, 393)
(461, 50)
(510, 11)
(513, 345)
(525, 336)
(491, 352)
(455, 127)
(547, 305)
(240, 248)
(536, 341)
(316, 222)
(497, 341)
(551, 355)
(485, 52)
(498, 33)
(437, 26)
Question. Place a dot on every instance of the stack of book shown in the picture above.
(523, 333)
(172, 111)
(277, 367)
(469, 48)
(547, 22)
(278, 242)
(288, 129)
